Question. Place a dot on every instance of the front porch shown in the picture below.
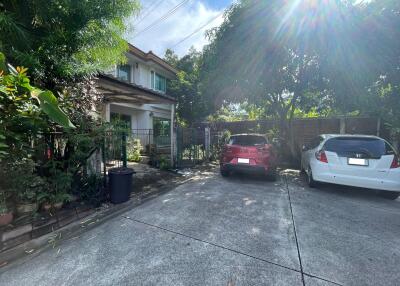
(147, 115)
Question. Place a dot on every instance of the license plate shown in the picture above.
(357, 161)
(243, 161)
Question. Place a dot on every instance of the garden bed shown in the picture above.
(25, 228)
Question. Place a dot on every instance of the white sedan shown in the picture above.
(352, 160)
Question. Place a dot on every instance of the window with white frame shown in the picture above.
(158, 82)
(124, 72)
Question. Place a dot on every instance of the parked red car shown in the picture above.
(248, 153)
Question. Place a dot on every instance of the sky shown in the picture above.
(168, 33)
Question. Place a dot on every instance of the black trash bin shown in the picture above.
(120, 182)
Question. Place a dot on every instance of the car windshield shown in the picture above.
(366, 147)
(248, 140)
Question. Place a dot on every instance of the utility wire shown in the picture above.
(162, 18)
(148, 10)
(197, 30)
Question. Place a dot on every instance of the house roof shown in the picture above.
(120, 91)
(150, 56)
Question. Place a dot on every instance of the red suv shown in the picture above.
(248, 152)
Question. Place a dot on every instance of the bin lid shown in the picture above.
(121, 171)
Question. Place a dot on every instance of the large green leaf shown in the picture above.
(49, 104)
(2, 62)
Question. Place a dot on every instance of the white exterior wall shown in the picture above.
(142, 115)
(141, 71)
(145, 78)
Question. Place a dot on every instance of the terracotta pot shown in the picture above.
(47, 206)
(6, 218)
(58, 206)
(26, 208)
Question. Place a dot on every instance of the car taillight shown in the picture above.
(395, 163)
(321, 156)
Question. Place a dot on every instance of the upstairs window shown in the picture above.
(124, 73)
(158, 82)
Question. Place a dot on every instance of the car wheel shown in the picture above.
(390, 195)
(310, 179)
(224, 172)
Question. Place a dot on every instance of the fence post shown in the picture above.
(342, 125)
(174, 148)
(207, 142)
(103, 155)
(378, 127)
(124, 156)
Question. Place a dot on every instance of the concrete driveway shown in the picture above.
(235, 231)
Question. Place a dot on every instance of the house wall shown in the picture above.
(142, 115)
(141, 71)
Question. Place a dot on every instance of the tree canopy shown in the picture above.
(293, 58)
(60, 40)
(186, 88)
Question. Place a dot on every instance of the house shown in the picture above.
(136, 93)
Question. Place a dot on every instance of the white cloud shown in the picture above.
(169, 32)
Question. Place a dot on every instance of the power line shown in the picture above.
(149, 10)
(197, 30)
(162, 18)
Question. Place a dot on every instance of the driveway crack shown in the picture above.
(211, 243)
(229, 249)
(295, 231)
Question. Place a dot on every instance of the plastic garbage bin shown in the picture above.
(120, 182)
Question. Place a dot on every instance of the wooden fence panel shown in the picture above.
(306, 129)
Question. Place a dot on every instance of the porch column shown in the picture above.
(107, 112)
(172, 135)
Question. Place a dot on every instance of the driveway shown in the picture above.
(234, 231)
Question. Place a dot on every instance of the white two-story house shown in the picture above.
(137, 94)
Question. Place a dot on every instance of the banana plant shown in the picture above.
(16, 79)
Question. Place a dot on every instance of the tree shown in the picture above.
(60, 41)
(191, 106)
(259, 57)
(382, 95)
(302, 57)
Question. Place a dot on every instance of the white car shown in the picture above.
(352, 160)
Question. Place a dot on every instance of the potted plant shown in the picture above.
(59, 185)
(26, 202)
(27, 194)
(6, 215)
(23, 184)
(53, 201)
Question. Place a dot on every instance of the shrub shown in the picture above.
(164, 163)
(134, 148)
(91, 189)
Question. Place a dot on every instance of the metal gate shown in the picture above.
(190, 147)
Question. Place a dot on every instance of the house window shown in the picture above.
(158, 82)
(124, 72)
